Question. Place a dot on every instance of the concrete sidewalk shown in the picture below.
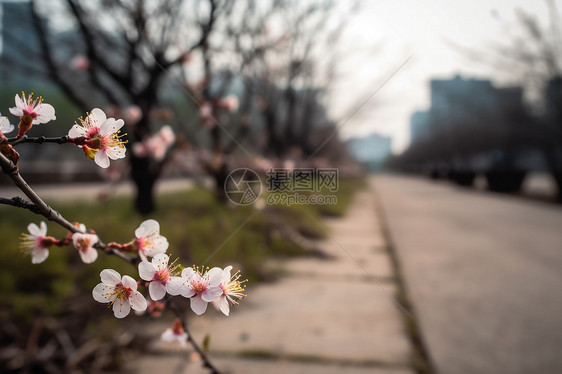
(322, 316)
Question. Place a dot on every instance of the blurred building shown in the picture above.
(463, 105)
(371, 150)
(20, 45)
(419, 126)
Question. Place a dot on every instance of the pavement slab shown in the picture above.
(322, 316)
(180, 365)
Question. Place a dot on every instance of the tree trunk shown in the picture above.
(144, 179)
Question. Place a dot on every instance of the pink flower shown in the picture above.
(175, 335)
(85, 245)
(5, 125)
(199, 288)
(229, 103)
(158, 273)
(157, 145)
(31, 112)
(149, 241)
(119, 292)
(232, 290)
(103, 141)
(37, 242)
(133, 114)
(206, 114)
(80, 63)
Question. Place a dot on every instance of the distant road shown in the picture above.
(484, 272)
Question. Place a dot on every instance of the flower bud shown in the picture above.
(26, 121)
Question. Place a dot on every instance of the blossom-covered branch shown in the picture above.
(100, 139)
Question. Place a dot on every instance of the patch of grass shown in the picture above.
(200, 230)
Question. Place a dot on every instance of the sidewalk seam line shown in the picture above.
(411, 320)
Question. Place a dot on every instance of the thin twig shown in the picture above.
(38, 206)
(41, 139)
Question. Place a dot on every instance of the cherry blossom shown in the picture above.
(85, 245)
(5, 125)
(103, 138)
(80, 63)
(133, 114)
(119, 292)
(31, 112)
(229, 103)
(199, 288)
(158, 273)
(149, 242)
(232, 290)
(175, 335)
(37, 242)
(157, 145)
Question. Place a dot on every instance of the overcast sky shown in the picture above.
(424, 30)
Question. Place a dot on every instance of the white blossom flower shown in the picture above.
(157, 145)
(119, 292)
(85, 245)
(80, 63)
(37, 242)
(149, 241)
(158, 273)
(5, 125)
(232, 290)
(199, 288)
(229, 103)
(175, 335)
(103, 139)
(34, 110)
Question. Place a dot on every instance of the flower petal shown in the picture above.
(137, 301)
(101, 159)
(45, 112)
(223, 305)
(160, 261)
(5, 125)
(156, 290)
(174, 285)
(211, 294)
(226, 274)
(110, 126)
(214, 276)
(16, 112)
(116, 153)
(121, 308)
(34, 230)
(43, 228)
(198, 305)
(38, 255)
(88, 256)
(76, 131)
(160, 244)
(148, 227)
(110, 277)
(146, 270)
(129, 282)
(98, 115)
(19, 102)
(102, 293)
(188, 273)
